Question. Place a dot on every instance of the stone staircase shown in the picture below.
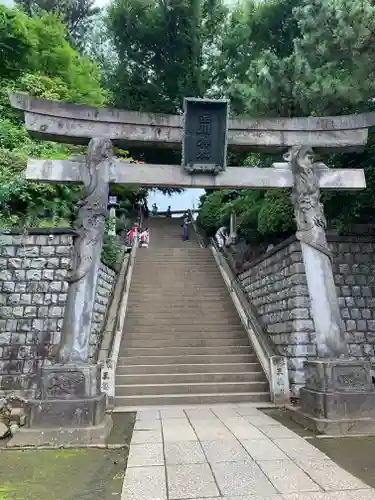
(183, 341)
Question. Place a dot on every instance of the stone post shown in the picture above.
(69, 405)
(112, 203)
(338, 397)
(233, 230)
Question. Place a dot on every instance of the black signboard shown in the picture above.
(204, 148)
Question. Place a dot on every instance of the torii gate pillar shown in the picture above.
(338, 390)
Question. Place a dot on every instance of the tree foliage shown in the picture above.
(162, 48)
(76, 15)
(298, 58)
(271, 58)
(49, 68)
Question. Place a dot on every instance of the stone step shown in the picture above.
(184, 351)
(165, 264)
(190, 378)
(219, 299)
(191, 316)
(191, 388)
(192, 331)
(153, 294)
(188, 359)
(179, 320)
(175, 341)
(180, 286)
(212, 307)
(181, 368)
(187, 399)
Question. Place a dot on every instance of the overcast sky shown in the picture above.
(188, 199)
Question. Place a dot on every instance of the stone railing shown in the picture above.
(274, 365)
(109, 351)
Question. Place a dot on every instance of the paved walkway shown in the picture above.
(232, 452)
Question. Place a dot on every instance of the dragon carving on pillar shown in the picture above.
(308, 210)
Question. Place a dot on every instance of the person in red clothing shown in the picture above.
(133, 233)
(144, 238)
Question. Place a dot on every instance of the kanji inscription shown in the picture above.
(205, 136)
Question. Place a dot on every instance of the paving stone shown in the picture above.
(252, 497)
(278, 432)
(297, 447)
(191, 480)
(147, 425)
(240, 478)
(201, 414)
(178, 430)
(211, 431)
(262, 421)
(141, 455)
(242, 429)
(172, 413)
(143, 437)
(227, 450)
(263, 449)
(148, 415)
(245, 411)
(224, 414)
(330, 476)
(287, 477)
(256, 497)
(144, 483)
(337, 495)
(184, 452)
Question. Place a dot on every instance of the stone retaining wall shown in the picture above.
(276, 285)
(104, 288)
(33, 291)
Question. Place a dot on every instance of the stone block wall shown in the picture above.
(33, 293)
(354, 271)
(276, 285)
(104, 288)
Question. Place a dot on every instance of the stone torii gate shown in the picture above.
(205, 135)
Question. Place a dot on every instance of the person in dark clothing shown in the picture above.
(169, 212)
(185, 226)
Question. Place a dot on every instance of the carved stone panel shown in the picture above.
(350, 378)
(314, 377)
(65, 385)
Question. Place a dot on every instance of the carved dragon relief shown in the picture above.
(89, 228)
(308, 210)
(92, 211)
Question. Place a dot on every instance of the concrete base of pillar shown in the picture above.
(68, 409)
(60, 437)
(338, 398)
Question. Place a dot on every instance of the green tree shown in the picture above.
(301, 58)
(76, 15)
(15, 45)
(50, 69)
(162, 48)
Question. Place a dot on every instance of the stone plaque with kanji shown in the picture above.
(204, 148)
